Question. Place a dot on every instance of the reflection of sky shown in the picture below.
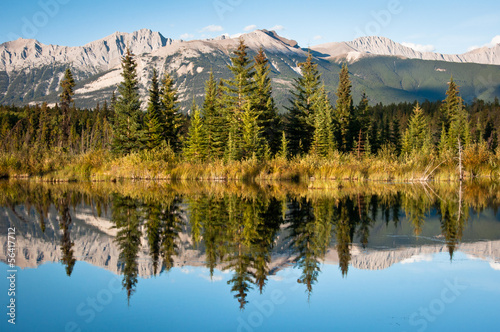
(186, 299)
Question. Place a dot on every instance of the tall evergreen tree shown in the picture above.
(66, 97)
(264, 102)
(152, 122)
(214, 119)
(451, 104)
(417, 137)
(128, 131)
(344, 109)
(171, 117)
(300, 120)
(361, 125)
(238, 93)
(196, 144)
(323, 142)
(455, 121)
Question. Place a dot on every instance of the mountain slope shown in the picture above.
(373, 46)
(387, 71)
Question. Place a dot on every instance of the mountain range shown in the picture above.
(387, 71)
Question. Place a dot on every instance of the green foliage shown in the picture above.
(323, 142)
(417, 138)
(154, 128)
(129, 135)
(197, 142)
(344, 109)
(264, 102)
(214, 119)
(300, 119)
(171, 118)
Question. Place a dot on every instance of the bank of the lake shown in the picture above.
(102, 165)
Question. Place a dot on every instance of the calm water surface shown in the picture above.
(236, 257)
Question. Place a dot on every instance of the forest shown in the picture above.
(238, 133)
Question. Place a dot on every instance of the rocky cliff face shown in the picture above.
(373, 46)
(31, 71)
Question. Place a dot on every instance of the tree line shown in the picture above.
(238, 119)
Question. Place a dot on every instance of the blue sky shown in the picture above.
(444, 26)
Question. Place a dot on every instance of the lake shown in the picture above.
(339, 256)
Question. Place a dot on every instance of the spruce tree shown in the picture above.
(252, 144)
(128, 131)
(171, 118)
(344, 109)
(417, 137)
(300, 119)
(238, 94)
(196, 144)
(283, 152)
(323, 141)
(451, 104)
(264, 102)
(455, 121)
(361, 125)
(214, 119)
(152, 122)
(66, 97)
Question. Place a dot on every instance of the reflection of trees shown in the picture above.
(170, 232)
(270, 218)
(416, 207)
(64, 224)
(346, 218)
(237, 226)
(453, 217)
(127, 219)
(306, 231)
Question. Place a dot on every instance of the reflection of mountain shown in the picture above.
(94, 243)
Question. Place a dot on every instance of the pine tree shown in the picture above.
(264, 102)
(283, 152)
(238, 94)
(323, 142)
(196, 144)
(152, 123)
(417, 136)
(300, 120)
(252, 144)
(459, 130)
(171, 118)
(396, 135)
(451, 104)
(361, 125)
(66, 97)
(455, 121)
(344, 109)
(214, 119)
(43, 127)
(128, 131)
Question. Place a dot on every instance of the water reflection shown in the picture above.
(244, 229)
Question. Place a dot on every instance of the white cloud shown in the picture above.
(212, 28)
(186, 36)
(250, 27)
(278, 28)
(419, 47)
(493, 42)
(318, 37)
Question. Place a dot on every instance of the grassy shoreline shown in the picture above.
(159, 165)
